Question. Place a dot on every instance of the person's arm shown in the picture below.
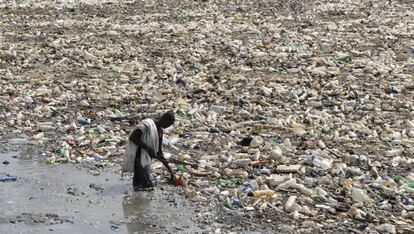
(165, 163)
(160, 156)
(136, 138)
(160, 143)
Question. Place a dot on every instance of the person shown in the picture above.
(145, 144)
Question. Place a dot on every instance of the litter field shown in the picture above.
(298, 114)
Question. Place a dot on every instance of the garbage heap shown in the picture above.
(304, 108)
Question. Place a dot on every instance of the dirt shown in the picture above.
(67, 199)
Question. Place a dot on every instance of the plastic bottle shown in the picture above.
(236, 201)
(8, 178)
(260, 193)
(254, 184)
(218, 109)
(264, 171)
(115, 227)
(321, 192)
(224, 182)
(321, 162)
(201, 183)
(228, 203)
(352, 172)
(276, 154)
(83, 121)
(180, 167)
(359, 195)
(290, 204)
(351, 159)
(18, 141)
(287, 184)
(236, 173)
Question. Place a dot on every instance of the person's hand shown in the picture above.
(173, 178)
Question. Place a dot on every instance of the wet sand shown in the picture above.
(67, 199)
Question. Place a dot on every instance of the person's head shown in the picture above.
(166, 120)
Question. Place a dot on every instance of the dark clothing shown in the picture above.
(142, 178)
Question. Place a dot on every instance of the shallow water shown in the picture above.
(67, 199)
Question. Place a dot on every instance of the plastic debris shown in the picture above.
(115, 227)
(291, 204)
(288, 169)
(386, 228)
(228, 182)
(18, 141)
(360, 195)
(7, 178)
(311, 99)
(260, 193)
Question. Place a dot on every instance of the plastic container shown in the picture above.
(180, 167)
(290, 204)
(179, 181)
(201, 183)
(83, 121)
(359, 195)
(261, 193)
(8, 178)
(321, 162)
(18, 141)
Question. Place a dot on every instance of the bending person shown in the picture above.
(144, 144)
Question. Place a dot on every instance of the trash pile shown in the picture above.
(300, 108)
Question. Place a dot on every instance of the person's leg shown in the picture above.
(147, 176)
(141, 175)
(138, 170)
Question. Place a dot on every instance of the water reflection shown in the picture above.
(164, 210)
(139, 209)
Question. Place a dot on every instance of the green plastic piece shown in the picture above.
(180, 168)
(397, 178)
(228, 182)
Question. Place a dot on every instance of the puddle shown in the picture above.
(66, 199)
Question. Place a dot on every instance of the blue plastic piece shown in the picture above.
(115, 227)
(8, 178)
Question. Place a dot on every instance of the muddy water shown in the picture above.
(67, 199)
